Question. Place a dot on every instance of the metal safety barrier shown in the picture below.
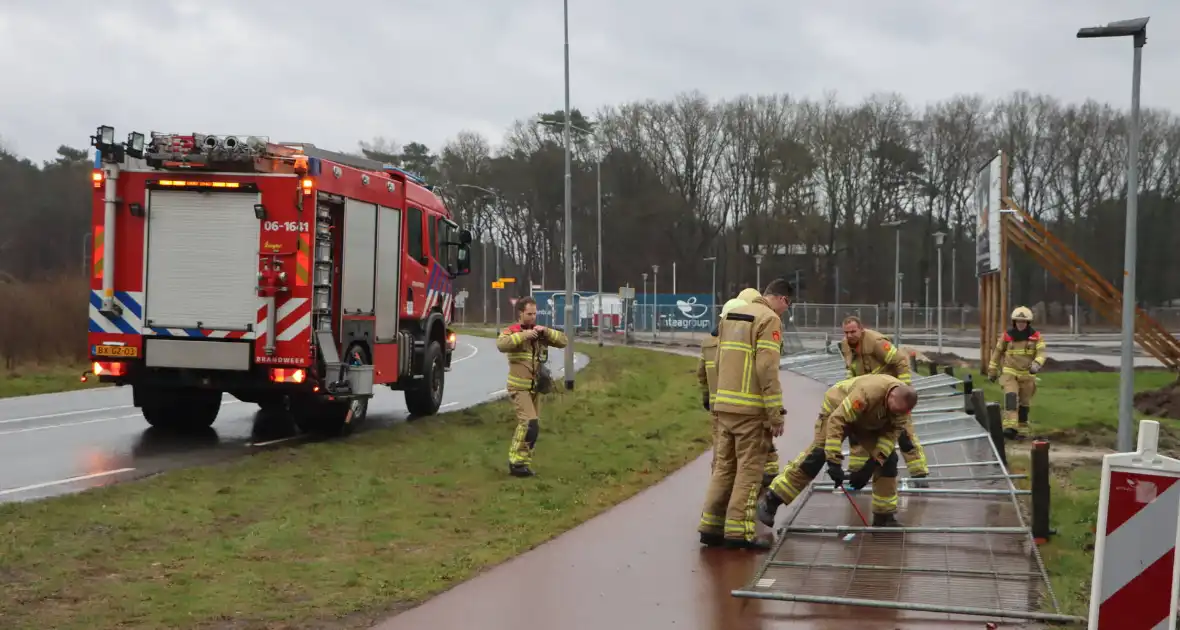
(964, 546)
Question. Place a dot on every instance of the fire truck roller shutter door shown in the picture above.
(202, 259)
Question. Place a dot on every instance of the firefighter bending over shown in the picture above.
(527, 346)
(871, 412)
(748, 405)
(867, 351)
(1017, 358)
(707, 371)
(772, 466)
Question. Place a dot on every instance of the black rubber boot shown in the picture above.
(1010, 434)
(520, 470)
(767, 506)
(767, 478)
(1022, 420)
(758, 544)
(885, 520)
(712, 540)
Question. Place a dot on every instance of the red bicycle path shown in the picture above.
(640, 565)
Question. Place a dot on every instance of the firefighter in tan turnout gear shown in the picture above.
(871, 411)
(748, 404)
(527, 346)
(1019, 355)
(707, 370)
(867, 351)
(772, 465)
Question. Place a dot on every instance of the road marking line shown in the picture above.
(450, 404)
(68, 424)
(46, 484)
(277, 441)
(64, 413)
(474, 351)
(82, 411)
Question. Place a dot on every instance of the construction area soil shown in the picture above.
(1160, 403)
(1051, 365)
(640, 565)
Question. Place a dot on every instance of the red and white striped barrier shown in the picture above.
(1136, 574)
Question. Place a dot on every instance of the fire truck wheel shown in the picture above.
(426, 397)
(183, 410)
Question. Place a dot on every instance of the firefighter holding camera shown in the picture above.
(527, 347)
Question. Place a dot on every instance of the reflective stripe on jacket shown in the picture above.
(707, 368)
(749, 345)
(1015, 357)
(857, 406)
(525, 357)
(875, 355)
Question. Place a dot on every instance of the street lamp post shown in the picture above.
(643, 302)
(1137, 30)
(713, 297)
(926, 299)
(598, 178)
(938, 237)
(484, 247)
(655, 291)
(897, 278)
(569, 226)
(758, 267)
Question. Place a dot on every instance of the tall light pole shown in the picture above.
(897, 278)
(713, 298)
(598, 177)
(493, 195)
(758, 276)
(643, 302)
(938, 237)
(655, 291)
(569, 226)
(1137, 30)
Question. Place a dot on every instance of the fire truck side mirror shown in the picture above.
(465, 237)
(463, 261)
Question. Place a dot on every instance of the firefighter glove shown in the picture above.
(860, 478)
(836, 473)
(1034, 368)
(991, 376)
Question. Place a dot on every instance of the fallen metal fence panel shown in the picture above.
(963, 539)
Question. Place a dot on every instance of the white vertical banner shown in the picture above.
(987, 215)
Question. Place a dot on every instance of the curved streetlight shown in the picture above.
(1137, 30)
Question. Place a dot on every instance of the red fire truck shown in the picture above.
(283, 274)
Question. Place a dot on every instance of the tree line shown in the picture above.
(807, 183)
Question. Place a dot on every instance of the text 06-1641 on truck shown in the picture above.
(283, 274)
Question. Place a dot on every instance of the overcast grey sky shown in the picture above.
(336, 72)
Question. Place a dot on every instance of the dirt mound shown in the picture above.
(948, 358)
(1076, 365)
(1160, 403)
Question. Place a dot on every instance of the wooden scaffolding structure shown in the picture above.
(1020, 229)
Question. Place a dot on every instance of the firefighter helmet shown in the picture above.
(732, 304)
(1022, 314)
(748, 295)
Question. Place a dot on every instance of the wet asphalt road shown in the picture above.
(60, 443)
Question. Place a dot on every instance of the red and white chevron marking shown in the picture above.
(294, 318)
(435, 297)
(1135, 554)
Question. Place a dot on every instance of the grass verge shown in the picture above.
(1081, 408)
(1069, 555)
(337, 534)
(44, 379)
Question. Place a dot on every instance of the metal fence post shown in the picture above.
(995, 426)
(1039, 471)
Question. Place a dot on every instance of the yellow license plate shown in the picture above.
(116, 351)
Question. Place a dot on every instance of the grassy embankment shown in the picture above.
(336, 534)
(1078, 412)
(42, 336)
